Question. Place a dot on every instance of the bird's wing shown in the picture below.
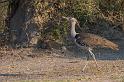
(93, 40)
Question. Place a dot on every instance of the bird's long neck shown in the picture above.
(73, 32)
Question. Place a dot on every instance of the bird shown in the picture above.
(88, 41)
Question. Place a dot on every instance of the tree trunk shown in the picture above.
(24, 24)
(29, 17)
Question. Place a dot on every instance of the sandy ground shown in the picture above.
(41, 65)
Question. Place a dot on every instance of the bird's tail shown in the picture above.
(111, 45)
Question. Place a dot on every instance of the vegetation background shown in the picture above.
(24, 23)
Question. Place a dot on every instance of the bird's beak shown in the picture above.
(65, 18)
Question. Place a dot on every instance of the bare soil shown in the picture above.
(30, 64)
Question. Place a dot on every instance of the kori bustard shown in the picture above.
(88, 41)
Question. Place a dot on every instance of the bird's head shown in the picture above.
(71, 20)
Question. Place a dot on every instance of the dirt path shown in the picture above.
(27, 64)
(60, 68)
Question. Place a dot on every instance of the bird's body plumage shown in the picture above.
(93, 41)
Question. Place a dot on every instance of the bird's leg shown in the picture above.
(92, 54)
(85, 64)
